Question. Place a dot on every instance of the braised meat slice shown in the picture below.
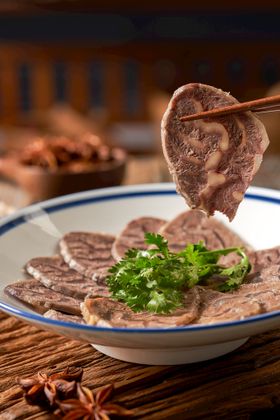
(133, 235)
(223, 307)
(55, 274)
(60, 316)
(88, 253)
(259, 260)
(266, 293)
(269, 274)
(264, 258)
(193, 226)
(110, 313)
(214, 160)
(41, 299)
(263, 286)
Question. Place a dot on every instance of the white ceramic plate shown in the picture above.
(34, 231)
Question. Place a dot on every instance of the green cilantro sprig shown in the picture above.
(154, 280)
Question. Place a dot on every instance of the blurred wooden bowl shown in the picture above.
(42, 184)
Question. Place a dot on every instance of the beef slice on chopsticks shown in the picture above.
(55, 274)
(34, 294)
(107, 312)
(213, 160)
(193, 226)
(133, 235)
(88, 253)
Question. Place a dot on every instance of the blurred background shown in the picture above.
(108, 68)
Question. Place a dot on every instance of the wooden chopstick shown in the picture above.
(269, 104)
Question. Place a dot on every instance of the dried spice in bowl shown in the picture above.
(54, 166)
(54, 153)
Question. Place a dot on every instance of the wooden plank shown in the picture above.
(114, 56)
(113, 84)
(9, 91)
(234, 386)
(146, 89)
(78, 85)
(42, 85)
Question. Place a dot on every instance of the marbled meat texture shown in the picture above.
(201, 306)
(133, 235)
(260, 293)
(88, 253)
(60, 316)
(258, 259)
(267, 274)
(55, 274)
(33, 293)
(193, 226)
(223, 307)
(264, 287)
(111, 313)
(264, 258)
(212, 160)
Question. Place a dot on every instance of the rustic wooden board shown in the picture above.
(238, 385)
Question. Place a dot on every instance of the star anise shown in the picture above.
(45, 389)
(91, 406)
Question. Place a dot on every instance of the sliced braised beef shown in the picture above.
(272, 272)
(267, 275)
(57, 290)
(264, 258)
(193, 226)
(55, 274)
(88, 253)
(266, 293)
(133, 235)
(223, 307)
(110, 313)
(258, 259)
(263, 286)
(60, 316)
(212, 161)
(41, 299)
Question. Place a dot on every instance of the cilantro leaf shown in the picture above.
(155, 279)
(235, 274)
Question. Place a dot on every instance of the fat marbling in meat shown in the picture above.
(133, 235)
(88, 253)
(213, 160)
(55, 274)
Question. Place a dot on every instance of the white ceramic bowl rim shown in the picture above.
(79, 199)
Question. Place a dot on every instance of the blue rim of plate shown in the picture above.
(50, 208)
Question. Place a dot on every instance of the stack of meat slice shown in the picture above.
(60, 288)
(60, 283)
(64, 285)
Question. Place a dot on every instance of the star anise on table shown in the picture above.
(45, 389)
(91, 406)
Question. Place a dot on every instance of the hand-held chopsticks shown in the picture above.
(269, 104)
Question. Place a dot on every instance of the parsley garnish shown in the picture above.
(154, 280)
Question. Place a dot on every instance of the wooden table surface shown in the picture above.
(242, 385)
(236, 386)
